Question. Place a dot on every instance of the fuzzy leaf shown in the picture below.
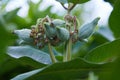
(27, 51)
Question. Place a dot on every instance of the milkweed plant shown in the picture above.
(52, 33)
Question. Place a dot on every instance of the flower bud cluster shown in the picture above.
(49, 30)
(56, 31)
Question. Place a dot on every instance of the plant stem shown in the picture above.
(67, 56)
(70, 7)
(64, 6)
(51, 53)
(68, 50)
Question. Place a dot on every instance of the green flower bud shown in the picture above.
(50, 30)
(39, 21)
(62, 34)
(58, 22)
(24, 34)
(86, 30)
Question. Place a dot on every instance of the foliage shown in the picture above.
(99, 56)
(9, 67)
(73, 1)
(111, 1)
(115, 16)
(58, 70)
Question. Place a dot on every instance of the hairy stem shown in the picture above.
(51, 53)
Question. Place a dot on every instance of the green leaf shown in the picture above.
(62, 1)
(26, 75)
(104, 53)
(74, 69)
(92, 76)
(114, 19)
(10, 66)
(25, 61)
(72, 1)
(111, 1)
(27, 51)
(106, 33)
(33, 9)
(5, 39)
(77, 1)
(66, 71)
(11, 14)
(59, 58)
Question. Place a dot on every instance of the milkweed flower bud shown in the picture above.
(58, 22)
(24, 34)
(62, 33)
(68, 18)
(86, 30)
(50, 30)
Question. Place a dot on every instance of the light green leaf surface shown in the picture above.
(26, 75)
(27, 51)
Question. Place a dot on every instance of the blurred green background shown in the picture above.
(11, 20)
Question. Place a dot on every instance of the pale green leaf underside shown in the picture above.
(26, 75)
(27, 51)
